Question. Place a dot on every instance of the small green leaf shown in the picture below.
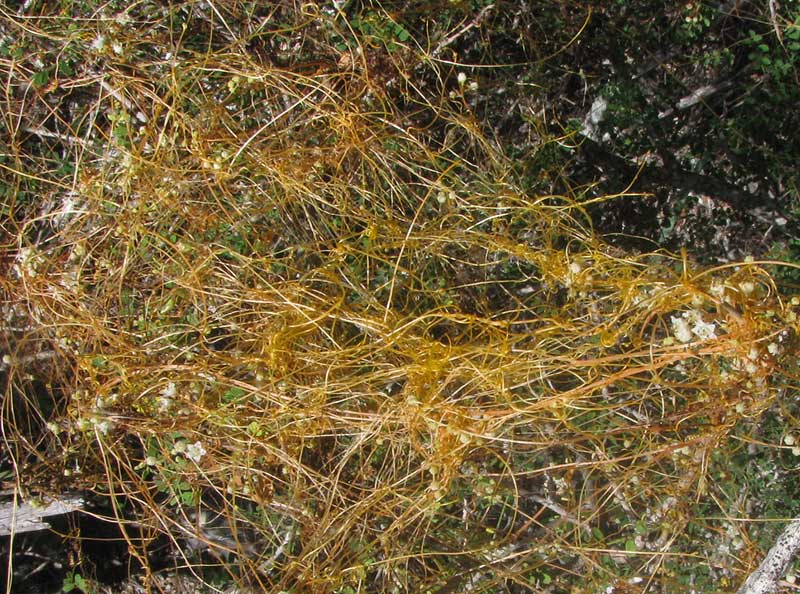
(187, 497)
(99, 362)
(121, 132)
(41, 78)
(65, 68)
(167, 307)
(233, 394)
(630, 545)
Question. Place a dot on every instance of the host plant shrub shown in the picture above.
(284, 303)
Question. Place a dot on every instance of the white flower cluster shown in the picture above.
(193, 451)
(791, 441)
(94, 422)
(464, 84)
(574, 269)
(690, 325)
(166, 397)
(27, 262)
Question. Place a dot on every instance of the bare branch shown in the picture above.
(765, 579)
(16, 516)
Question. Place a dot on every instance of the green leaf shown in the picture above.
(187, 497)
(167, 307)
(630, 545)
(120, 132)
(99, 362)
(41, 78)
(233, 394)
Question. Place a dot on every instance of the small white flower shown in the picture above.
(151, 461)
(102, 426)
(747, 287)
(462, 78)
(704, 330)
(680, 327)
(99, 42)
(117, 47)
(575, 268)
(27, 262)
(789, 439)
(167, 394)
(773, 348)
(195, 451)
